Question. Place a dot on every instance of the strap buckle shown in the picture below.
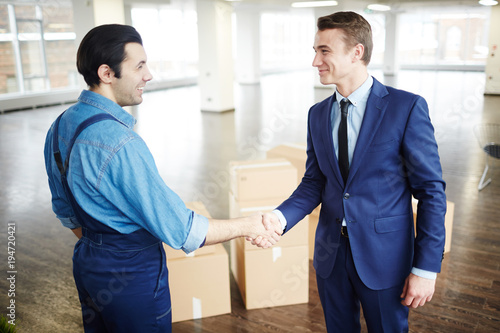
(343, 231)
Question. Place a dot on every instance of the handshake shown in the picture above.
(266, 230)
(262, 230)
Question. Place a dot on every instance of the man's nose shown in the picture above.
(148, 76)
(317, 60)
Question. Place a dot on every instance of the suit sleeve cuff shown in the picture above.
(424, 274)
(281, 217)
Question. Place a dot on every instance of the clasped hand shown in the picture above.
(268, 230)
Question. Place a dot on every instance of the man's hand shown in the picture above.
(78, 232)
(271, 223)
(249, 226)
(417, 291)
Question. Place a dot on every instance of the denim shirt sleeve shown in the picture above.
(131, 182)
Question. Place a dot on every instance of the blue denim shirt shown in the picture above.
(113, 177)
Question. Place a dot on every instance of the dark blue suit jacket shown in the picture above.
(396, 156)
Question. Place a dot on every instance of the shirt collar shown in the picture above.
(357, 94)
(107, 105)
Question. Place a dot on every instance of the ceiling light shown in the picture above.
(488, 2)
(308, 4)
(379, 8)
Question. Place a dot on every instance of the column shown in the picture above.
(248, 44)
(89, 14)
(391, 65)
(109, 11)
(216, 59)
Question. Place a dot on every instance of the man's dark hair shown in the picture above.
(356, 30)
(104, 44)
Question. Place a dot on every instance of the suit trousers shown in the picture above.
(343, 291)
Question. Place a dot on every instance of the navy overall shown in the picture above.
(122, 279)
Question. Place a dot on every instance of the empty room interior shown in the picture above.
(226, 118)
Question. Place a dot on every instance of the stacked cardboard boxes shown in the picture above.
(293, 152)
(272, 277)
(448, 222)
(278, 275)
(313, 225)
(199, 282)
(296, 153)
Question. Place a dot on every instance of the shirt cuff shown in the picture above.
(197, 234)
(281, 217)
(70, 222)
(424, 274)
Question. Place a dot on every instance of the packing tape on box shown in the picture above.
(196, 308)
(262, 165)
(295, 145)
(257, 209)
(276, 253)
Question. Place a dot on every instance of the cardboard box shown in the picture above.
(313, 225)
(199, 208)
(272, 277)
(199, 286)
(249, 207)
(298, 236)
(448, 222)
(262, 179)
(179, 254)
(295, 237)
(296, 153)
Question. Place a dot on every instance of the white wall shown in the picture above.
(492, 70)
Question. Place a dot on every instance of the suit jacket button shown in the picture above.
(346, 196)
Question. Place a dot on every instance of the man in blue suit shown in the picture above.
(365, 161)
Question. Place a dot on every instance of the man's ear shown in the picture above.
(105, 73)
(359, 51)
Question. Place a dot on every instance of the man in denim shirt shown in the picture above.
(110, 194)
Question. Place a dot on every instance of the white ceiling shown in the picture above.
(394, 3)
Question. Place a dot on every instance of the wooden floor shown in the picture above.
(192, 150)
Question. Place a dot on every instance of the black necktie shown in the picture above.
(343, 150)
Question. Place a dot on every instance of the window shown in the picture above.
(170, 38)
(37, 49)
(60, 46)
(444, 36)
(377, 22)
(8, 79)
(287, 40)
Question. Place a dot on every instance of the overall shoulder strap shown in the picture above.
(86, 123)
(55, 144)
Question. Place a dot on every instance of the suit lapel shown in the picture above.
(326, 135)
(374, 113)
